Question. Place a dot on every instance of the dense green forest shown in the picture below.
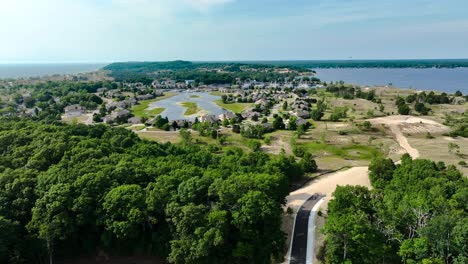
(313, 64)
(206, 73)
(68, 190)
(416, 213)
(200, 72)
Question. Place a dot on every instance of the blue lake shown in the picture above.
(174, 110)
(444, 80)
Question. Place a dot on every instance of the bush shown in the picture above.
(254, 145)
(366, 125)
(462, 163)
(403, 109)
(316, 115)
(429, 135)
(299, 151)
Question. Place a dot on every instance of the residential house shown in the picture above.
(74, 110)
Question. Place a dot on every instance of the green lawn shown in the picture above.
(217, 93)
(192, 108)
(194, 96)
(141, 109)
(156, 111)
(235, 107)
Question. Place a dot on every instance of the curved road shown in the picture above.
(305, 199)
(300, 238)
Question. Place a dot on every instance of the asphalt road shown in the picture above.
(299, 238)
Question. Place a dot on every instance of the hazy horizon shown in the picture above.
(220, 61)
(86, 31)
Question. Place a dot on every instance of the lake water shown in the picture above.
(38, 70)
(174, 110)
(444, 80)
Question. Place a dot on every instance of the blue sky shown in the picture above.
(123, 30)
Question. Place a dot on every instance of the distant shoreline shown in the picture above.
(36, 70)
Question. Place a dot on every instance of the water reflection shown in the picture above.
(173, 109)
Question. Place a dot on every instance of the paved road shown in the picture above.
(301, 227)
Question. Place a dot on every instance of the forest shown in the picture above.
(416, 213)
(316, 64)
(68, 190)
(200, 72)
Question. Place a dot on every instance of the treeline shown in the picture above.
(146, 67)
(416, 213)
(350, 92)
(73, 190)
(441, 63)
(420, 100)
(50, 98)
(206, 73)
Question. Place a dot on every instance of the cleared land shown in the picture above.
(160, 136)
(359, 175)
(325, 185)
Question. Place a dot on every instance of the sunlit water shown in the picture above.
(173, 109)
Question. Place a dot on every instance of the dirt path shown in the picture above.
(408, 124)
(357, 175)
(403, 141)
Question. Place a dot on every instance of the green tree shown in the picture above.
(403, 109)
(125, 211)
(316, 114)
(381, 172)
(51, 216)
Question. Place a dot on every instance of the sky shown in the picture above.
(216, 30)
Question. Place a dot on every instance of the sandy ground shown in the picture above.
(326, 185)
(159, 136)
(400, 125)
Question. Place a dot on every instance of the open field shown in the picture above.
(191, 108)
(343, 144)
(358, 108)
(142, 109)
(160, 136)
(234, 107)
(216, 93)
(437, 149)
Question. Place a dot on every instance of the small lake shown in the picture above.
(173, 109)
(445, 80)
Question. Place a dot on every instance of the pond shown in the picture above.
(173, 109)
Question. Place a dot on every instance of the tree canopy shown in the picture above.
(67, 190)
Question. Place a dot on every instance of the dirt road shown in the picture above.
(357, 175)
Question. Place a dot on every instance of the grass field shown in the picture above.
(216, 93)
(437, 149)
(352, 151)
(156, 111)
(141, 109)
(192, 108)
(235, 107)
